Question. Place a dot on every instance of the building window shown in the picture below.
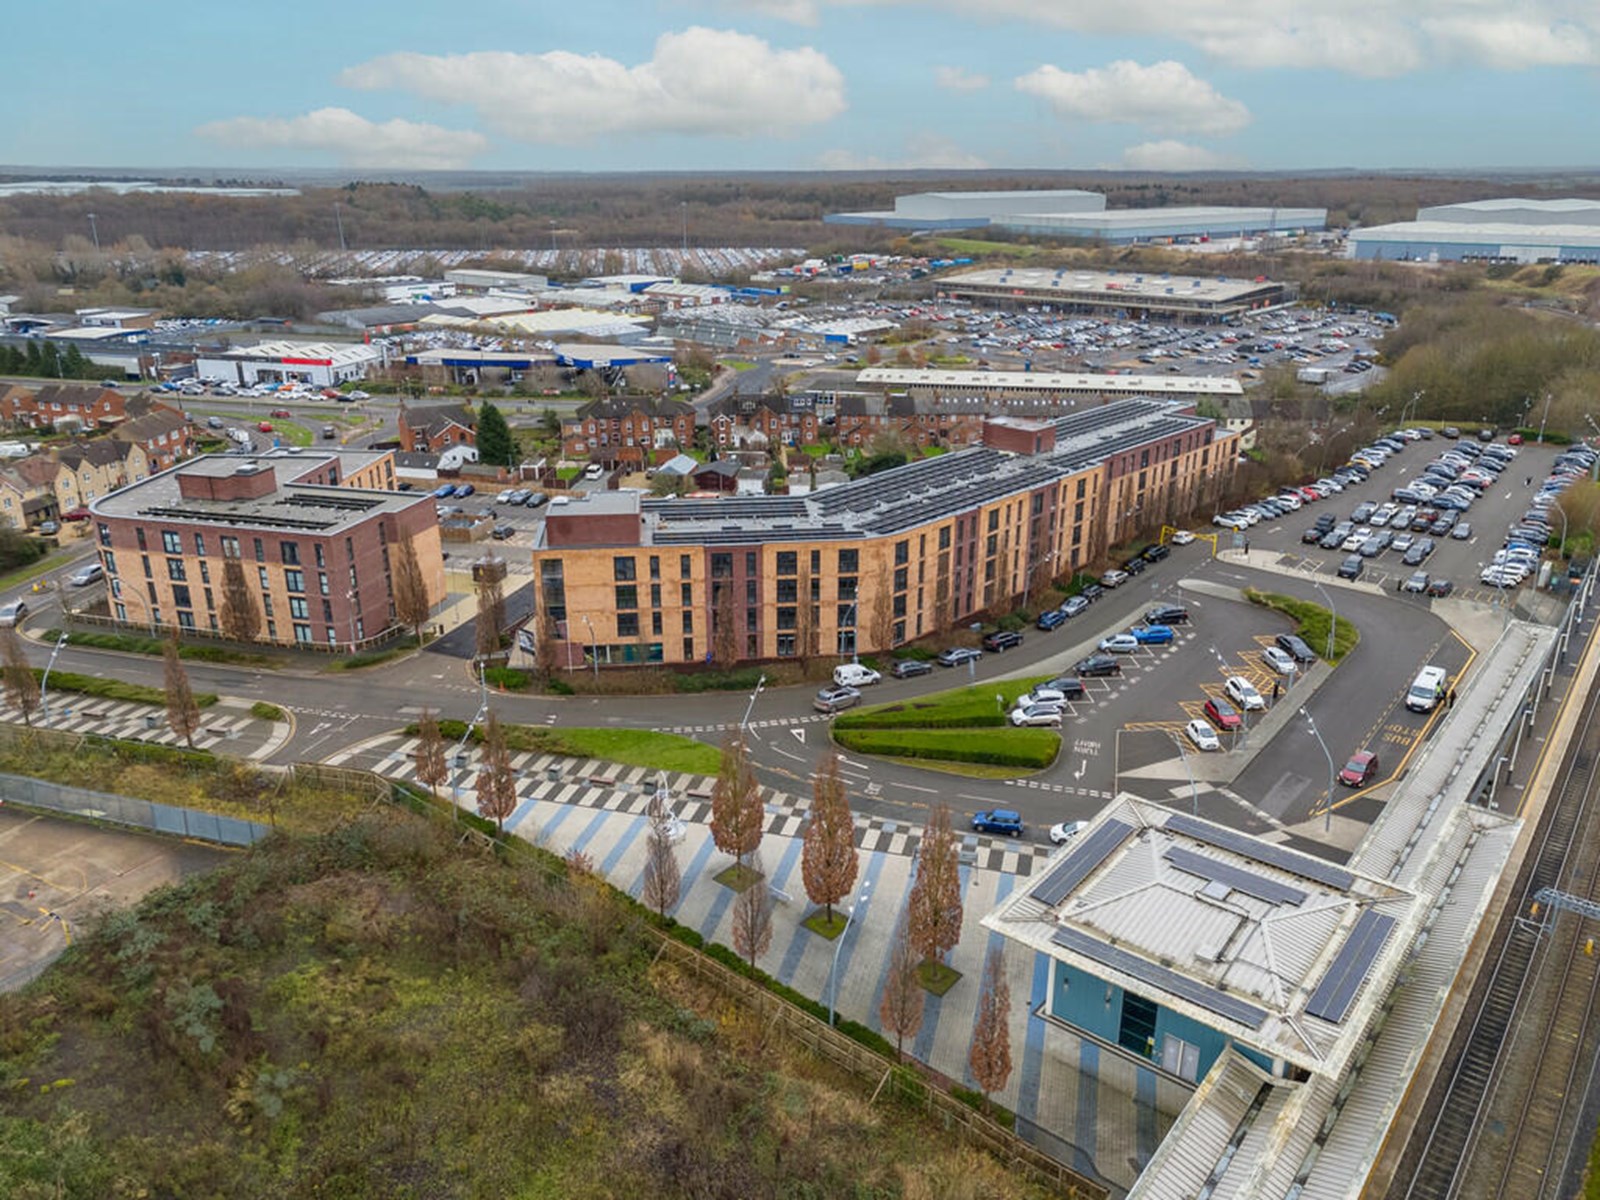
(627, 596)
(185, 620)
(786, 645)
(655, 624)
(266, 580)
(684, 567)
(261, 550)
(105, 535)
(686, 595)
(230, 547)
(322, 582)
(750, 596)
(944, 537)
(175, 569)
(788, 562)
(788, 618)
(327, 611)
(266, 606)
(628, 625)
(788, 591)
(847, 589)
(902, 553)
(623, 569)
(655, 595)
(816, 561)
(655, 566)
(139, 534)
(302, 634)
(688, 621)
(721, 566)
(180, 597)
(290, 552)
(900, 579)
(688, 647)
(144, 560)
(110, 560)
(321, 558)
(298, 608)
(849, 562)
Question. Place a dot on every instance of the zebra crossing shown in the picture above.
(222, 726)
(595, 784)
(731, 726)
(1060, 789)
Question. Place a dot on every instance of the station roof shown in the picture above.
(1051, 381)
(1283, 952)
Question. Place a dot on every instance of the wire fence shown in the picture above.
(126, 810)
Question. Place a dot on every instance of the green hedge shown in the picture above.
(869, 1038)
(509, 678)
(1034, 748)
(633, 747)
(139, 644)
(114, 689)
(266, 712)
(964, 708)
(1311, 622)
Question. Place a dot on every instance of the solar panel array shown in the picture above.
(1332, 999)
(1089, 853)
(1207, 997)
(1239, 880)
(1275, 856)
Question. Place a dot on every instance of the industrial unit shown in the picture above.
(942, 384)
(969, 210)
(1507, 230)
(1134, 294)
(319, 364)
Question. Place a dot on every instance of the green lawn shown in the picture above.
(41, 566)
(1312, 623)
(1032, 749)
(568, 474)
(963, 708)
(979, 246)
(631, 747)
(292, 433)
(739, 364)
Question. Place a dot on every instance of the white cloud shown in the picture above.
(1361, 37)
(1164, 97)
(704, 82)
(959, 79)
(354, 140)
(801, 12)
(1173, 156)
(925, 152)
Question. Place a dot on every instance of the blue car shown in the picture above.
(444, 491)
(465, 489)
(1053, 619)
(1152, 635)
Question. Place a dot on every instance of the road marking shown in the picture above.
(799, 735)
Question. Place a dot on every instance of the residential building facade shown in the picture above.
(316, 533)
(880, 561)
(431, 429)
(81, 406)
(626, 431)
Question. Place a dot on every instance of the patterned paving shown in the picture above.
(226, 726)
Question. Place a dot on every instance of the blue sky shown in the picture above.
(774, 84)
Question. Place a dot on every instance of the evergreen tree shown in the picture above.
(74, 365)
(50, 360)
(496, 446)
(32, 364)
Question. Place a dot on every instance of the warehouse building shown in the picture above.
(1039, 387)
(969, 210)
(320, 364)
(1178, 224)
(875, 562)
(1133, 295)
(1492, 231)
(315, 530)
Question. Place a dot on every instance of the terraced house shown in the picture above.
(627, 430)
(877, 562)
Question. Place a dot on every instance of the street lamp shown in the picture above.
(44, 683)
(458, 758)
(119, 593)
(594, 646)
(1327, 825)
(1194, 792)
(1562, 549)
(350, 605)
(1333, 619)
(855, 638)
(833, 971)
(761, 684)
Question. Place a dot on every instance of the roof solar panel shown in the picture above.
(1275, 856)
(1224, 1004)
(1239, 880)
(1331, 1001)
(1081, 862)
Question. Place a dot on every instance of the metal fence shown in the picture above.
(125, 810)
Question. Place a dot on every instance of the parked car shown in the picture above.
(1152, 635)
(444, 490)
(835, 699)
(1181, 537)
(1296, 648)
(84, 576)
(501, 532)
(1134, 565)
(1119, 643)
(1156, 553)
(1243, 693)
(12, 612)
(265, 426)
(1167, 614)
(1001, 640)
(1362, 766)
(1064, 831)
(1036, 714)
(1416, 583)
(1440, 587)
(280, 413)
(1073, 605)
(1278, 661)
(1092, 592)
(998, 820)
(464, 489)
(1098, 665)
(1063, 688)
(855, 675)
(1052, 618)
(1113, 578)
(1222, 714)
(1462, 531)
(328, 431)
(1352, 567)
(1202, 735)
(957, 655)
(908, 668)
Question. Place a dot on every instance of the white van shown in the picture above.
(854, 675)
(1427, 689)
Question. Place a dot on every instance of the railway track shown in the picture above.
(1528, 1157)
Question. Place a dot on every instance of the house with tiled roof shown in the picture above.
(431, 428)
(165, 436)
(62, 405)
(627, 429)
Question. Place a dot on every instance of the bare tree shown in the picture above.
(807, 634)
(934, 906)
(990, 1056)
(546, 646)
(736, 812)
(828, 860)
(752, 919)
(724, 622)
(881, 629)
(491, 616)
(22, 687)
(901, 1007)
(183, 714)
(431, 768)
(239, 615)
(410, 589)
(497, 784)
(663, 880)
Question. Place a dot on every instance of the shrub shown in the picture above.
(1311, 622)
(114, 689)
(266, 712)
(718, 681)
(560, 687)
(509, 678)
(1032, 748)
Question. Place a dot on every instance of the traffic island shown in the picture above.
(955, 730)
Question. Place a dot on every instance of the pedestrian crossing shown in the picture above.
(131, 720)
(731, 726)
(595, 784)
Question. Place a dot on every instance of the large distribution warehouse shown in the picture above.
(1136, 293)
(1507, 230)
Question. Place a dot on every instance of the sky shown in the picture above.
(608, 85)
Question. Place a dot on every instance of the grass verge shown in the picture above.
(738, 878)
(1311, 623)
(40, 566)
(132, 643)
(1030, 748)
(937, 977)
(370, 658)
(632, 747)
(819, 924)
(263, 711)
(114, 689)
(964, 708)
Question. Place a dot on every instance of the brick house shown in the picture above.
(164, 435)
(90, 469)
(627, 429)
(90, 407)
(782, 420)
(432, 428)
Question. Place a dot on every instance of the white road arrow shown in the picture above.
(799, 735)
(1083, 769)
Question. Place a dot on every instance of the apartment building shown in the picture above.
(877, 562)
(315, 530)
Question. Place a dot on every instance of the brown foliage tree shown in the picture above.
(990, 1056)
(901, 1007)
(828, 859)
(410, 589)
(881, 630)
(497, 783)
(22, 688)
(491, 616)
(934, 906)
(752, 919)
(431, 767)
(239, 616)
(736, 811)
(663, 881)
(807, 631)
(183, 714)
(725, 625)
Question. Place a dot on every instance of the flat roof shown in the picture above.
(1285, 953)
(292, 507)
(1483, 233)
(1515, 204)
(1052, 381)
(1223, 215)
(322, 353)
(1109, 285)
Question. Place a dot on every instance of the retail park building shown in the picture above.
(876, 562)
(1134, 294)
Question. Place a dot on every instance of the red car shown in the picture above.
(1362, 766)
(265, 426)
(1223, 715)
(1514, 440)
(280, 412)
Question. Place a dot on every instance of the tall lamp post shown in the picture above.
(594, 646)
(458, 758)
(744, 721)
(833, 971)
(1333, 619)
(1327, 824)
(44, 682)
(350, 607)
(1194, 792)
